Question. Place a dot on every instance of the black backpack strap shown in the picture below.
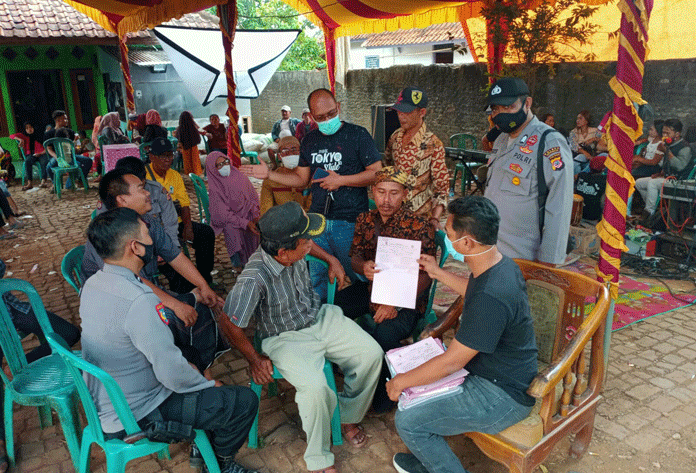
(541, 182)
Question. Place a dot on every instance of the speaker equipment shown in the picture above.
(385, 121)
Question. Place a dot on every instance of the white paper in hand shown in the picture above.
(396, 283)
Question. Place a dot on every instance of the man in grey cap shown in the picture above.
(298, 332)
(534, 213)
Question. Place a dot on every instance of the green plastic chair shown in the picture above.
(463, 141)
(252, 155)
(367, 322)
(273, 387)
(118, 452)
(66, 164)
(144, 151)
(202, 197)
(44, 383)
(70, 267)
(371, 204)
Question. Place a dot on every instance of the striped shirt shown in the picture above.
(280, 297)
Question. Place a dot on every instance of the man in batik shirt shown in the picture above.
(418, 152)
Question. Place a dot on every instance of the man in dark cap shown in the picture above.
(298, 332)
(417, 151)
(530, 177)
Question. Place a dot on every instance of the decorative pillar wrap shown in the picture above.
(623, 127)
(125, 69)
(330, 46)
(228, 26)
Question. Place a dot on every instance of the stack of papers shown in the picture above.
(404, 359)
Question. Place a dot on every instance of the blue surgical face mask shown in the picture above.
(452, 252)
(329, 127)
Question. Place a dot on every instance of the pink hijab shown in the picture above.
(233, 202)
(152, 117)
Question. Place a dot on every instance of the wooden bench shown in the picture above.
(571, 354)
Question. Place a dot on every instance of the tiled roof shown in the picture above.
(147, 57)
(46, 21)
(440, 33)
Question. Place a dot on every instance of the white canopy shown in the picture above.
(199, 59)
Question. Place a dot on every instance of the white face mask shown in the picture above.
(225, 170)
(290, 161)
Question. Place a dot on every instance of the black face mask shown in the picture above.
(149, 253)
(509, 122)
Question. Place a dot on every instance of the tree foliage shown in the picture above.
(542, 35)
(306, 53)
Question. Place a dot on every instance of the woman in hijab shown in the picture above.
(31, 142)
(153, 127)
(234, 208)
(189, 135)
(110, 130)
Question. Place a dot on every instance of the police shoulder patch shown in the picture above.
(162, 314)
(556, 162)
(551, 151)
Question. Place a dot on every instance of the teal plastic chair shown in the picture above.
(273, 387)
(118, 452)
(463, 141)
(368, 323)
(371, 204)
(145, 150)
(202, 197)
(252, 155)
(44, 383)
(70, 267)
(67, 164)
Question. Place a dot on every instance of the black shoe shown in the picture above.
(408, 463)
(234, 467)
(195, 458)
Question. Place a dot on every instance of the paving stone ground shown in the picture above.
(646, 422)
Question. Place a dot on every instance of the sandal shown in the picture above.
(7, 236)
(44, 185)
(27, 187)
(355, 435)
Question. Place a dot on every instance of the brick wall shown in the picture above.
(457, 94)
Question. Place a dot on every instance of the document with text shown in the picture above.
(396, 283)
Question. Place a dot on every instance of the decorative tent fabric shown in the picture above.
(199, 58)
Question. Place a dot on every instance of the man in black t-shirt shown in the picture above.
(346, 160)
(61, 122)
(495, 343)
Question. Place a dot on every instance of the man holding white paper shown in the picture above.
(495, 343)
(392, 230)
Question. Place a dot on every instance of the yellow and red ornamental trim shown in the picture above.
(623, 127)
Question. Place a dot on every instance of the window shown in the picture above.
(444, 53)
(371, 62)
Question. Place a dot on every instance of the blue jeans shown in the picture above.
(480, 407)
(336, 241)
(84, 162)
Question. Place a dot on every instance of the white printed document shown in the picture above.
(396, 283)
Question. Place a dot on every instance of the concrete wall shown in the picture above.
(457, 93)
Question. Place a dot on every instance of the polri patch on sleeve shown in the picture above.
(556, 162)
(551, 151)
(162, 314)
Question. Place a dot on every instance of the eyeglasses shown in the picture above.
(326, 116)
(289, 151)
(222, 163)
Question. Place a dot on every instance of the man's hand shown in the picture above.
(261, 370)
(394, 388)
(185, 313)
(428, 263)
(369, 270)
(331, 182)
(187, 233)
(251, 226)
(209, 297)
(258, 171)
(384, 312)
(336, 271)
